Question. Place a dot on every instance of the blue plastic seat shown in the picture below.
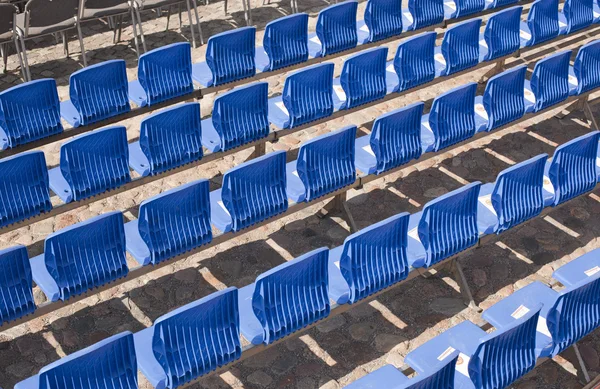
(285, 299)
(81, 257)
(324, 165)
(446, 226)
(383, 19)
(190, 341)
(25, 190)
(413, 64)
(163, 74)
(168, 139)
(369, 260)
(501, 35)
(108, 364)
(549, 81)
(580, 268)
(29, 112)
(498, 3)
(285, 43)
(586, 68)
(576, 15)
(460, 48)
(542, 23)
(425, 13)
(97, 92)
(503, 99)
(170, 224)
(16, 295)
(466, 7)
(230, 56)
(90, 164)
(252, 192)
(363, 77)
(307, 96)
(336, 30)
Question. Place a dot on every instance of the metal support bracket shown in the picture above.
(339, 204)
(459, 276)
(498, 68)
(586, 375)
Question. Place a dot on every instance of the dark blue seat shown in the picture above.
(503, 99)
(336, 30)
(285, 43)
(586, 68)
(549, 81)
(542, 23)
(466, 7)
(16, 295)
(383, 19)
(413, 64)
(425, 13)
(576, 15)
(501, 36)
(499, 3)
(363, 78)
(459, 49)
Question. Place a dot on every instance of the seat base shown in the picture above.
(70, 113)
(59, 185)
(43, 279)
(138, 160)
(137, 94)
(296, 191)
(578, 269)
(219, 215)
(135, 244)
(339, 291)
(146, 360)
(250, 327)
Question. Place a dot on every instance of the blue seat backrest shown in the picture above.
(255, 190)
(172, 137)
(375, 257)
(452, 116)
(326, 163)
(176, 221)
(96, 162)
(443, 378)
(336, 27)
(503, 98)
(30, 111)
(587, 67)
(573, 167)
(292, 295)
(517, 195)
(108, 364)
(505, 355)
(550, 80)
(363, 77)
(542, 21)
(241, 115)
(230, 55)
(198, 337)
(383, 18)
(166, 72)
(501, 33)
(468, 7)
(460, 46)
(100, 91)
(414, 61)
(16, 294)
(396, 137)
(307, 94)
(579, 14)
(425, 12)
(449, 224)
(87, 254)
(502, 3)
(24, 191)
(286, 41)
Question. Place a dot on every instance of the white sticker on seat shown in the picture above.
(592, 271)
(486, 201)
(364, 28)
(445, 354)
(462, 364)
(573, 79)
(520, 312)
(440, 58)
(223, 206)
(483, 43)
(529, 96)
(542, 326)
(548, 185)
(368, 149)
(339, 91)
(480, 110)
(315, 39)
(414, 233)
(281, 106)
(525, 35)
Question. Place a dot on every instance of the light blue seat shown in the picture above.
(363, 78)
(190, 341)
(336, 30)
(459, 49)
(170, 224)
(501, 35)
(576, 15)
(586, 69)
(324, 165)
(503, 99)
(383, 19)
(96, 93)
(108, 364)
(90, 164)
(425, 13)
(579, 269)
(81, 257)
(549, 81)
(285, 43)
(542, 23)
(413, 63)
(29, 112)
(252, 192)
(25, 189)
(16, 294)
(285, 299)
(168, 139)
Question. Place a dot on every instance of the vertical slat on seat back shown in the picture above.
(230, 55)
(198, 337)
(449, 224)
(502, 3)
(336, 27)
(172, 137)
(375, 257)
(550, 80)
(166, 72)
(426, 12)
(517, 195)
(241, 115)
(293, 295)
(30, 111)
(100, 91)
(108, 364)
(326, 163)
(363, 77)
(96, 162)
(503, 98)
(87, 254)
(573, 167)
(542, 21)
(579, 14)
(468, 7)
(255, 190)
(16, 295)
(307, 94)
(414, 62)
(24, 188)
(452, 116)
(443, 378)
(587, 67)
(504, 356)
(286, 41)
(383, 18)
(396, 137)
(176, 221)
(460, 46)
(501, 33)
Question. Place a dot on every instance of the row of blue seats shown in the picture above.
(204, 335)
